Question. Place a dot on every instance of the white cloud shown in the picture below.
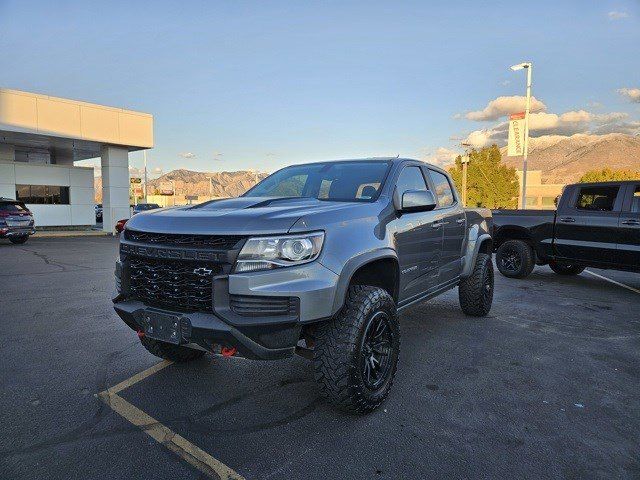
(632, 94)
(218, 155)
(567, 123)
(615, 15)
(503, 106)
(187, 155)
(487, 136)
(442, 157)
(504, 83)
(607, 118)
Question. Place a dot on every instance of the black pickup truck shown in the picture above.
(595, 225)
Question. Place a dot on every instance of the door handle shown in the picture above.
(436, 224)
(568, 219)
(460, 221)
(631, 222)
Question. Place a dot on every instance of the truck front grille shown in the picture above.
(217, 242)
(175, 285)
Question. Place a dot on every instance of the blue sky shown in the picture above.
(264, 84)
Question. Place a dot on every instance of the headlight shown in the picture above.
(265, 253)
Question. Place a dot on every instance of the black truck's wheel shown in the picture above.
(515, 259)
(476, 291)
(356, 353)
(566, 268)
(19, 240)
(171, 352)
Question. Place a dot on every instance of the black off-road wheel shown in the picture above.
(515, 259)
(356, 353)
(476, 291)
(566, 268)
(168, 351)
(19, 240)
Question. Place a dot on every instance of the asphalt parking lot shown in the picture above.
(547, 387)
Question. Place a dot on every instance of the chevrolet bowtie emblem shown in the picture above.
(202, 272)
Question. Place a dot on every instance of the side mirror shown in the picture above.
(417, 201)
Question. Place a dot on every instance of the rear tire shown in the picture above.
(476, 291)
(515, 259)
(566, 268)
(19, 240)
(356, 353)
(168, 351)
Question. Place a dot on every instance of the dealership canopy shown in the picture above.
(40, 138)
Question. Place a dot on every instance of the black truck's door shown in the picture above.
(587, 224)
(628, 253)
(418, 238)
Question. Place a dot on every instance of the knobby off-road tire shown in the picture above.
(171, 352)
(515, 259)
(566, 268)
(19, 240)
(476, 291)
(366, 327)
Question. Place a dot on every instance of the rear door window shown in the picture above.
(597, 199)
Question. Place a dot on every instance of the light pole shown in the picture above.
(465, 162)
(528, 66)
(144, 155)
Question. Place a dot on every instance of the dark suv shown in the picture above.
(16, 221)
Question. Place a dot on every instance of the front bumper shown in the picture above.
(310, 290)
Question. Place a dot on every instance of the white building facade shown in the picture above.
(40, 139)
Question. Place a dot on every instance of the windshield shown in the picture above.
(337, 181)
(147, 206)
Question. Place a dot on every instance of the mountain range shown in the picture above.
(564, 159)
(189, 182)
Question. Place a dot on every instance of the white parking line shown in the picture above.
(162, 434)
(613, 281)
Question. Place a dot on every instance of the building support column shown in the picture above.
(115, 186)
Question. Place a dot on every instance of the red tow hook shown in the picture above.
(140, 334)
(228, 351)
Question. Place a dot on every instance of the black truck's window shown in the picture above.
(443, 188)
(410, 178)
(597, 199)
(635, 200)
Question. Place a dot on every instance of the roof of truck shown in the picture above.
(604, 184)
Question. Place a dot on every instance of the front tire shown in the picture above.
(515, 259)
(19, 240)
(356, 353)
(566, 268)
(168, 351)
(476, 291)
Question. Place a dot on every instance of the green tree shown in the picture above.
(490, 183)
(608, 175)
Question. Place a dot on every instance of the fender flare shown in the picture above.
(473, 247)
(350, 268)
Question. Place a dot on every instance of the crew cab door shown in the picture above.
(628, 252)
(418, 238)
(586, 226)
(453, 220)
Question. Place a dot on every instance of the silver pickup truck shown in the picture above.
(317, 259)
